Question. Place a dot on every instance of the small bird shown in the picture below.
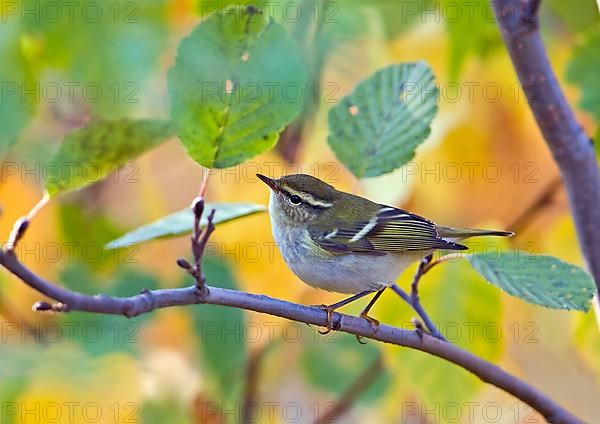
(345, 243)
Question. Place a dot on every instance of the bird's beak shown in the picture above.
(269, 181)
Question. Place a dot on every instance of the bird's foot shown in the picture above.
(419, 328)
(374, 325)
(330, 324)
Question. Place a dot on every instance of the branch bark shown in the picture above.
(148, 301)
(571, 147)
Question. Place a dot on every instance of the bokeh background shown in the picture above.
(485, 165)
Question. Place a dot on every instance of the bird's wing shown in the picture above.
(391, 230)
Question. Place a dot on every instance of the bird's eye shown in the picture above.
(295, 199)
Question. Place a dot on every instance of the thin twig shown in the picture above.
(418, 308)
(443, 259)
(204, 183)
(199, 239)
(421, 271)
(413, 299)
(596, 306)
(22, 224)
(571, 147)
(150, 300)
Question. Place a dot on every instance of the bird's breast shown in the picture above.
(346, 273)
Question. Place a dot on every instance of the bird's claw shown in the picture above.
(330, 325)
(359, 339)
(419, 328)
(374, 325)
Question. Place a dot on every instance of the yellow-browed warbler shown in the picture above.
(344, 243)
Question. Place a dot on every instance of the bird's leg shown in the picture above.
(365, 313)
(426, 264)
(419, 328)
(330, 309)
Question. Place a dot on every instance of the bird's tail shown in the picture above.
(464, 233)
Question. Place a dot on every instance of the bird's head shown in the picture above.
(298, 199)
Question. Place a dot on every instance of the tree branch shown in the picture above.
(148, 301)
(571, 147)
(414, 300)
(531, 9)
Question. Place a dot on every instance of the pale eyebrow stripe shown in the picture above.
(308, 198)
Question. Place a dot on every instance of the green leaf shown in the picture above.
(336, 362)
(182, 222)
(582, 71)
(238, 80)
(91, 153)
(541, 280)
(221, 336)
(377, 128)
